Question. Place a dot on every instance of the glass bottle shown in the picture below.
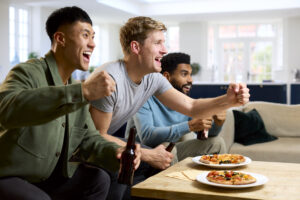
(127, 158)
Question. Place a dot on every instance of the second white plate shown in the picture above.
(260, 180)
(221, 166)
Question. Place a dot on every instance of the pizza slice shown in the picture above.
(230, 177)
(222, 159)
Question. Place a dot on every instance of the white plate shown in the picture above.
(223, 165)
(260, 180)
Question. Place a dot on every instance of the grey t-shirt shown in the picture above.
(128, 97)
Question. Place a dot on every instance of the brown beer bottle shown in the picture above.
(199, 135)
(170, 146)
(127, 158)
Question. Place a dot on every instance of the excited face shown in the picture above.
(79, 44)
(152, 51)
(181, 78)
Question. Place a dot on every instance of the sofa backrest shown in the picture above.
(280, 119)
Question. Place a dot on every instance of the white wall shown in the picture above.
(4, 40)
(291, 46)
(193, 41)
(45, 43)
(115, 49)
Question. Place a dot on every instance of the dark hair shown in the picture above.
(170, 61)
(66, 15)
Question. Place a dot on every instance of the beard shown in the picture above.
(180, 87)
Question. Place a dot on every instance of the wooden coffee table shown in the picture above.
(284, 183)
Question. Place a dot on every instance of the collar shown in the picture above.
(51, 63)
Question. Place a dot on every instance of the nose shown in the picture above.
(190, 79)
(164, 49)
(91, 43)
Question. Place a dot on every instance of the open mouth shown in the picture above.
(187, 87)
(157, 59)
(87, 55)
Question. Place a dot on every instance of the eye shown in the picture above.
(85, 35)
(184, 74)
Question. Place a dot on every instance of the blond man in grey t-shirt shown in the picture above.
(143, 43)
(142, 40)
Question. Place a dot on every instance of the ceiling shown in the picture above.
(178, 10)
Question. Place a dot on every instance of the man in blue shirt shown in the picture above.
(157, 123)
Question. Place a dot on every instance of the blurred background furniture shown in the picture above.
(280, 120)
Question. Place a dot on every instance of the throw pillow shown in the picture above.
(249, 128)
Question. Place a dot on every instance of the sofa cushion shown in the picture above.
(250, 129)
(285, 149)
(280, 120)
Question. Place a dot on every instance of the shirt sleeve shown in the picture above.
(24, 103)
(153, 136)
(162, 84)
(105, 104)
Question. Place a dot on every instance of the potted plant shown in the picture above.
(196, 68)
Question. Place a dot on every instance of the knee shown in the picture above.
(103, 179)
(219, 143)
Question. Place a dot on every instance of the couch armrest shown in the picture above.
(227, 131)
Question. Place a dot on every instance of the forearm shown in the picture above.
(203, 108)
(153, 136)
(96, 149)
(114, 139)
(33, 106)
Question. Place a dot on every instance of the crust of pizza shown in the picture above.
(222, 159)
(230, 178)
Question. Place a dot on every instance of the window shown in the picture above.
(18, 34)
(172, 39)
(244, 52)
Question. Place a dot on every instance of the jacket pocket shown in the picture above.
(42, 139)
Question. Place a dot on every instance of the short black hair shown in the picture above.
(66, 15)
(170, 61)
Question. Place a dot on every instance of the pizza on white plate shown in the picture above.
(230, 177)
(222, 159)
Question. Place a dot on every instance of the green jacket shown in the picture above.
(33, 107)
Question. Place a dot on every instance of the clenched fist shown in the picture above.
(98, 85)
(238, 94)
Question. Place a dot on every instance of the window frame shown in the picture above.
(215, 53)
(18, 33)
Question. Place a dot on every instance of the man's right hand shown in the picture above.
(98, 85)
(158, 157)
(200, 124)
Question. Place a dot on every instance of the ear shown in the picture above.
(135, 47)
(59, 38)
(167, 75)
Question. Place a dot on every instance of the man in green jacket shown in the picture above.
(44, 120)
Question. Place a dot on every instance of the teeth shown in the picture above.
(87, 53)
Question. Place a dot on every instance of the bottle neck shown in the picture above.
(131, 138)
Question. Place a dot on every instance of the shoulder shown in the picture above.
(115, 69)
(155, 76)
(32, 67)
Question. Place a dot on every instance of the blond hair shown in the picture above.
(137, 29)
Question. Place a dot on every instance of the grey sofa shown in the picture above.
(280, 120)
